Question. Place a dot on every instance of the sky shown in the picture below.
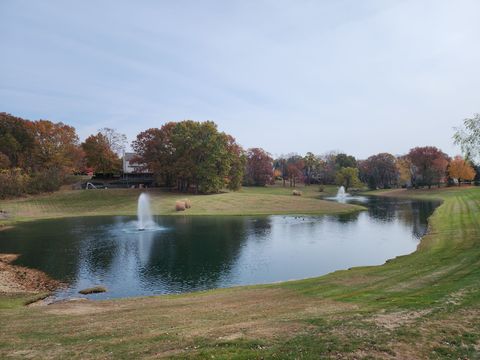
(361, 77)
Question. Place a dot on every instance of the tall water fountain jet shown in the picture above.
(144, 213)
(341, 194)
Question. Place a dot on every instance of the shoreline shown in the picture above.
(46, 284)
(16, 279)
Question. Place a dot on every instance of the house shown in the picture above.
(130, 166)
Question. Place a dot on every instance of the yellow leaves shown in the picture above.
(460, 169)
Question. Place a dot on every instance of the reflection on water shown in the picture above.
(194, 253)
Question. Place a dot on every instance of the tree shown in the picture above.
(348, 177)
(380, 171)
(460, 169)
(116, 141)
(280, 165)
(99, 155)
(311, 168)
(16, 140)
(192, 154)
(468, 137)
(295, 168)
(238, 161)
(344, 160)
(405, 171)
(259, 170)
(328, 168)
(155, 149)
(56, 146)
(429, 165)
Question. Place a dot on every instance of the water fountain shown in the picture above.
(341, 194)
(144, 213)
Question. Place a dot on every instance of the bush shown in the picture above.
(180, 205)
(45, 181)
(296, 193)
(321, 188)
(13, 183)
(188, 203)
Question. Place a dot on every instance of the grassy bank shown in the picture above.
(424, 305)
(248, 201)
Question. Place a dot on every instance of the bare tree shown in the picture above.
(116, 141)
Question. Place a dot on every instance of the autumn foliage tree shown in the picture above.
(259, 167)
(56, 146)
(295, 170)
(460, 169)
(17, 140)
(35, 156)
(190, 154)
(100, 155)
(429, 166)
(380, 171)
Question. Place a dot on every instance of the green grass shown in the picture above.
(248, 201)
(424, 305)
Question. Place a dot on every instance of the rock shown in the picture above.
(93, 290)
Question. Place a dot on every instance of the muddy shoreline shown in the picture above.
(16, 279)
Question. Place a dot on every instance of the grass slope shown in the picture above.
(248, 201)
(424, 305)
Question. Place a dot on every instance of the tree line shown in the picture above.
(422, 166)
(38, 156)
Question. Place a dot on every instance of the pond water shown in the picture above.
(197, 253)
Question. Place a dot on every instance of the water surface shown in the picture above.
(197, 253)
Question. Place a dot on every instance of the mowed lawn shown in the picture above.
(423, 305)
(248, 201)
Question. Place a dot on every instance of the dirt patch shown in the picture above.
(77, 307)
(394, 320)
(18, 279)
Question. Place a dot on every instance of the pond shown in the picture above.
(198, 253)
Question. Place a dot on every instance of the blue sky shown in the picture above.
(289, 76)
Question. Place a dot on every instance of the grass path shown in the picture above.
(423, 305)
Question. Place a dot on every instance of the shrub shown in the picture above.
(297, 193)
(45, 181)
(321, 188)
(180, 205)
(188, 203)
(13, 183)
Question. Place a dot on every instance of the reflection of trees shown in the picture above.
(259, 226)
(197, 252)
(417, 216)
(385, 209)
(414, 213)
(348, 218)
(49, 245)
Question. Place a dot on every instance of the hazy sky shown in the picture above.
(289, 76)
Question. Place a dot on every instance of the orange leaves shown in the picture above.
(460, 169)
